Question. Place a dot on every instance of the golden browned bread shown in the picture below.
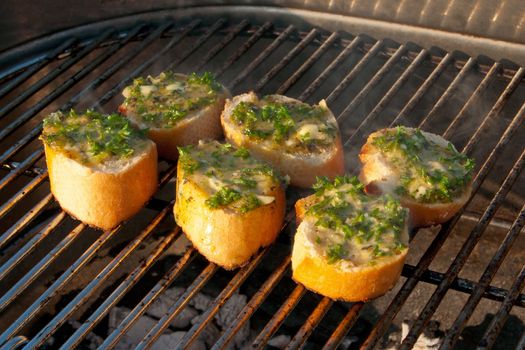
(95, 183)
(300, 140)
(430, 177)
(176, 109)
(228, 204)
(335, 257)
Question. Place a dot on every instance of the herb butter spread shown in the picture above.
(163, 101)
(430, 169)
(354, 229)
(93, 138)
(232, 177)
(288, 124)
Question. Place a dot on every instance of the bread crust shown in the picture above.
(302, 170)
(379, 178)
(100, 198)
(360, 283)
(223, 235)
(203, 124)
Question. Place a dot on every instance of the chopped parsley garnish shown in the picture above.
(429, 172)
(223, 197)
(163, 101)
(356, 219)
(282, 122)
(92, 137)
(234, 170)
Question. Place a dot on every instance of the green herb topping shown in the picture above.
(233, 178)
(353, 226)
(429, 172)
(92, 137)
(293, 125)
(162, 101)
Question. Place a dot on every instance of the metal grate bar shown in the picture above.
(461, 284)
(449, 91)
(120, 63)
(119, 292)
(21, 194)
(118, 88)
(209, 32)
(73, 101)
(426, 259)
(29, 247)
(32, 274)
(221, 299)
(14, 343)
(473, 98)
(331, 67)
(308, 63)
(249, 43)
(388, 96)
(13, 174)
(94, 285)
(495, 326)
(344, 326)
(176, 308)
(313, 320)
(24, 220)
(49, 77)
(286, 59)
(252, 305)
(496, 109)
(75, 78)
(472, 240)
(355, 71)
(267, 51)
(273, 325)
(62, 88)
(36, 67)
(380, 74)
(454, 331)
(141, 307)
(422, 90)
(222, 44)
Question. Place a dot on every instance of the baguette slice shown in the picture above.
(99, 192)
(225, 229)
(295, 154)
(381, 175)
(357, 276)
(157, 99)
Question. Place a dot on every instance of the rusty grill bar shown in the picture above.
(370, 84)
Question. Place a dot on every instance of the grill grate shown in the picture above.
(52, 265)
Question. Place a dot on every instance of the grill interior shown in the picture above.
(55, 269)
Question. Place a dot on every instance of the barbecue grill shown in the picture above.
(59, 279)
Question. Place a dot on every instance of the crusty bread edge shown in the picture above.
(302, 170)
(224, 236)
(203, 124)
(100, 198)
(373, 176)
(361, 283)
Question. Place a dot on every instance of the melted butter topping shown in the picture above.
(232, 177)
(428, 170)
(352, 228)
(293, 126)
(92, 138)
(162, 101)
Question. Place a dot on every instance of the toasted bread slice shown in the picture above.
(343, 263)
(100, 184)
(300, 140)
(175, 109)
(227, 203)
(385, 168)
